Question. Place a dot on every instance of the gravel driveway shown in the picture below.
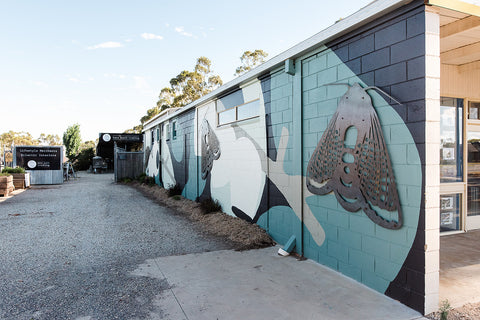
(67, 251)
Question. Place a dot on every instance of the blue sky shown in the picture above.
(102, 64)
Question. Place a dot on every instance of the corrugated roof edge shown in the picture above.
(163, 114)
(361, 17)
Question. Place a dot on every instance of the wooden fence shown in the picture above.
(127, 164)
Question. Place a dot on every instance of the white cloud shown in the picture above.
(106, 45)
(151, 36)
(114, 75)
(141, 83)
(78, 78)
(40, 84)
(167, 24)
(182, 32)
(128, 40)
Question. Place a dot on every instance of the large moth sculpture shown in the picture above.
(360, 175)
(210, 148)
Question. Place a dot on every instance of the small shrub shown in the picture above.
(209, 205)
(143, 178)
(149, 180)
(4, 174)
(13, 170)
(176, 197)
(126, 180)
(174, 190)
(444, 309)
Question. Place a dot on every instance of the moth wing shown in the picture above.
(325, 157)
(210, 148)
(377, 181)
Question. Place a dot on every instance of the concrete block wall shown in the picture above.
(181, 151)
(390, 54)
(187, 125)
(281, 221)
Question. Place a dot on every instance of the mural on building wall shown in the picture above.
(350, 189)
(360, 173)
(250, 182)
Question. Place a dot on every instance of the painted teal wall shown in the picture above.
(389, 54)
(355, 245)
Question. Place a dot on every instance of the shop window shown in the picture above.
(241, 112)
(474, 110)
(450, 212)
(167, 131)
(174, 130)
(451, 140)
(473, 147)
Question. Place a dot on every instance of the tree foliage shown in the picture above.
(249, 60)
(49, 140)
(25, 139)
(17, 138)
(72, 141)
(83, 160)
(185, 88)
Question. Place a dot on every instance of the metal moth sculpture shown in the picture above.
(210, 148)
(360, 176)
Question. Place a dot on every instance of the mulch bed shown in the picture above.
(245, 234)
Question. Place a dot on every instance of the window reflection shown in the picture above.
(450, 212)
(473, 173)
(451, 135)
(473, 110)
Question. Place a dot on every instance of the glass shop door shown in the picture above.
(452, 180)
(473, 175)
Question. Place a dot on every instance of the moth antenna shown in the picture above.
(337, 84)
(377, 88)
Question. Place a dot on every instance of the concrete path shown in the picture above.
(259, 284)
(91, 249)
(460, 268)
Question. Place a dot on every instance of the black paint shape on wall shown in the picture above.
(266, 83)
(206, 193)
(271, 197)
(180, 168)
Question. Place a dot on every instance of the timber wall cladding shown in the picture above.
(128, 164)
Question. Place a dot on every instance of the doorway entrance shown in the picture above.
(460, 188)
(473, 175)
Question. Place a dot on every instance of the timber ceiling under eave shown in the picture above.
(459, 38)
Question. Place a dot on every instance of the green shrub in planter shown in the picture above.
(13, 170)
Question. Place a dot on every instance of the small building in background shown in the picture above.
(125, 141)
(45, 163)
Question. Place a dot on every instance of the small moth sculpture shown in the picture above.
(360, 176)
(210, 148)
